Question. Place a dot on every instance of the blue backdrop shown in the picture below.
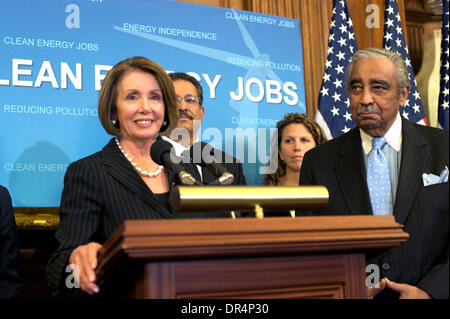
(55, 53)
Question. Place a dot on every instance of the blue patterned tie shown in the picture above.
(379, 179)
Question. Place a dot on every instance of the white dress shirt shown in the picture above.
(393, 152)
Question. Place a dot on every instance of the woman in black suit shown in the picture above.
(136, 103)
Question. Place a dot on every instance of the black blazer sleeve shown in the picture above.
(424, 210)
(80, 207)
(238, 172)
(231, 165)
(435, 283)
(10, 282)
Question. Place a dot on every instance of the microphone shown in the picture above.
(208, 160)
(160, 153)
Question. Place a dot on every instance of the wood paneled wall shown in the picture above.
(420, 15)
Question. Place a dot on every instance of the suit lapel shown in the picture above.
(118, 166)
(207, 176)
(414, 158)
(353, 185)
(193, 170)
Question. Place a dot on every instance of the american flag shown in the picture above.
(394, 40)
(333, 113)
(444, 94)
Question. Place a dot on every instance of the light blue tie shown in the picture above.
(378, 179)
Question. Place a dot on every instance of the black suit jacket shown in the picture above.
(10, 282)
(101, 192)
(231, 165)
(339, 165)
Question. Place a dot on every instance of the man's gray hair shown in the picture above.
(402, 72)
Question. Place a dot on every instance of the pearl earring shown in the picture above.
(114, 122)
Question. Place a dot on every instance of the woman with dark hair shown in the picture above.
(136, 103)
(297, 134)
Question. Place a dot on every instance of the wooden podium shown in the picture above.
(305, 257)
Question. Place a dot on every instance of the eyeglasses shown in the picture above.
(188, 99)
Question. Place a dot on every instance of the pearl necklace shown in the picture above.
(138, 169)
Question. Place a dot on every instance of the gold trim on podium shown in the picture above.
(248, 198)
(36, 217)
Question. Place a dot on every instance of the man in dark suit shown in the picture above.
(377, 82)
(10, 283)
(191, 111)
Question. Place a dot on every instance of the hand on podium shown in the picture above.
(406, 291)
(83, 262)
(373, 291)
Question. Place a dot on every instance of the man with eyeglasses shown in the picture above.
(191, 111)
